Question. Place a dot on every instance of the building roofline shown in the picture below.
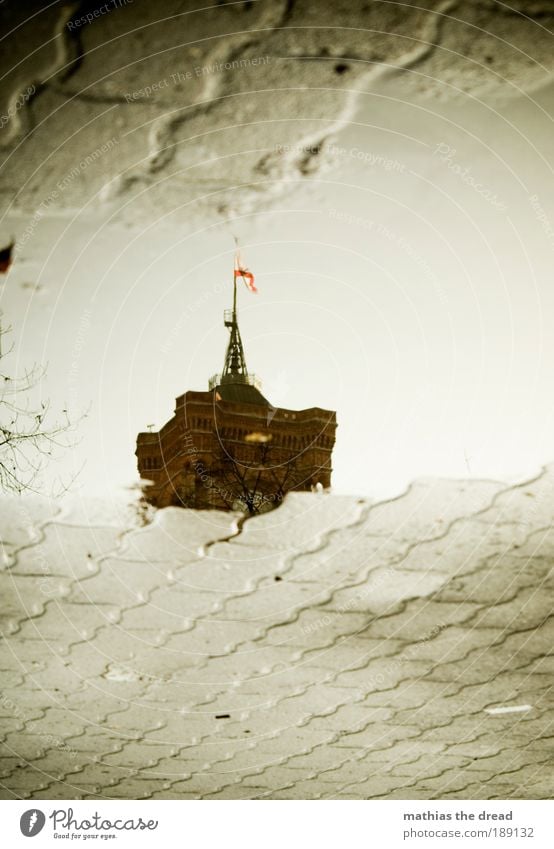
(199, 397)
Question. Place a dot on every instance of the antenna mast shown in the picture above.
(234, 370)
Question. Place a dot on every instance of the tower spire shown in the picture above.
(234, 369)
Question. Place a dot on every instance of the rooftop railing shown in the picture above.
(249, 379)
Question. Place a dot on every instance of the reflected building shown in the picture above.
(229, 448)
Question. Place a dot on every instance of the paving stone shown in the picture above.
(174, 665)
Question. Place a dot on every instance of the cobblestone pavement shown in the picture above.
(330, 649)
(166, 82)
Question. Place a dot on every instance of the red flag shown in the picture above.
(242, 271)
(6, 257)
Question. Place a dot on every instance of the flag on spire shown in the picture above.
(242, 271)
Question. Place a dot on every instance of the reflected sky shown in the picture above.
(407, 284)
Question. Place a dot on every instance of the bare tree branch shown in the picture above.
(254, 475)
(28, 439)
